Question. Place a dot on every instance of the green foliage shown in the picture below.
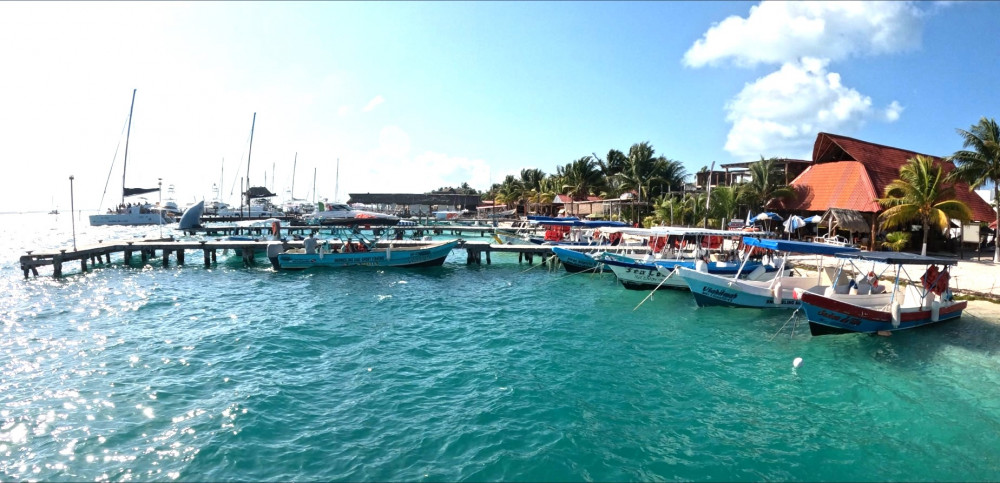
(922, 194)
(766, 185)
(979, 164)
(897, 240)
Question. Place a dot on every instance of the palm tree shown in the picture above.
(581, 177)
(724, 203)
(766, 185)
(510, 191)
(981, 164)
(921, 193)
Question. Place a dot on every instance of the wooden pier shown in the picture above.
(147, 250)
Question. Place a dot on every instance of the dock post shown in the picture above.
(57, 266)
(83, 264)
(488, 261)
(166, 257)
(180, 258)
(127, 257)
(108, 256)
(531, 258)
(520, 257)
(214, 260)
(145, 256)
(208, 258)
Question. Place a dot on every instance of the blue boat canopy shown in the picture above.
(798, 246)
(579, 222)
(898, 258)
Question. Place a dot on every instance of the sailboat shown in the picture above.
(132, 213)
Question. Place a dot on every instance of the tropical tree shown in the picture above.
(896, 240)
(510, 192)
(723, 203)
(581, 177)
(695, 207)
(766, 185)
(980, 164)
(921, 193)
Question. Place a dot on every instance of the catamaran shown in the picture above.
(141, 213)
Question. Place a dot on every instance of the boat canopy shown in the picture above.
(138, 191)
(580, 223)
(898, 258)
(798, 246)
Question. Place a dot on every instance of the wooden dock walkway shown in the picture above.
(166, 247)
(305, 230)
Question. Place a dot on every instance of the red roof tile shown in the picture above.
(881, 167)
(835, 185)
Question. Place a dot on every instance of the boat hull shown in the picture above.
(647, 276)
(575, 261)
(129, 219)
(714, 290)
(829, 316)
(427, 256)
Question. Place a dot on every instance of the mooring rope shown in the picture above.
(786, 323)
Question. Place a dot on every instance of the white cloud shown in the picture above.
(372, 104)
(780, 113)
(779, 32)
(893, 111)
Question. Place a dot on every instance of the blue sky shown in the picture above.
(413, 96)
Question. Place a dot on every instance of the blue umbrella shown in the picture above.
(812, 219)
(794, 223)
(768, 216)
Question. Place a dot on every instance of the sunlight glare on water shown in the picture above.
(463, 372)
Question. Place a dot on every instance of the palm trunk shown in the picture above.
(996, 201)
(923, 251)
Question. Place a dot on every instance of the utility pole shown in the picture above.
(72, 210)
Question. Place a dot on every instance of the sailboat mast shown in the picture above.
(127, 134)
(294, 164)
(250, 152)
(336, 182)
(314, 186)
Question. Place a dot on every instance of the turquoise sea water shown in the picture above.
(459, 373)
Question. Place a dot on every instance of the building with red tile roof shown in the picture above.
(851, 174)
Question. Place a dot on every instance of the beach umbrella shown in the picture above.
(768, 216)
(794, 223)
(812, 219)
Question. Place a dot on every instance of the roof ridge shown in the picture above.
(879, 145)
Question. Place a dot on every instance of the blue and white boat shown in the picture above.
(673, 247)
(778, 292)
(867, 306)
(653, 275)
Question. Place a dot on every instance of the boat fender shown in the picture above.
(701, 266)
(895, 315)
(935, 311)
(388, 252)
(929, 300)
(777, 294)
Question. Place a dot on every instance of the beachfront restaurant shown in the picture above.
(847, 176)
